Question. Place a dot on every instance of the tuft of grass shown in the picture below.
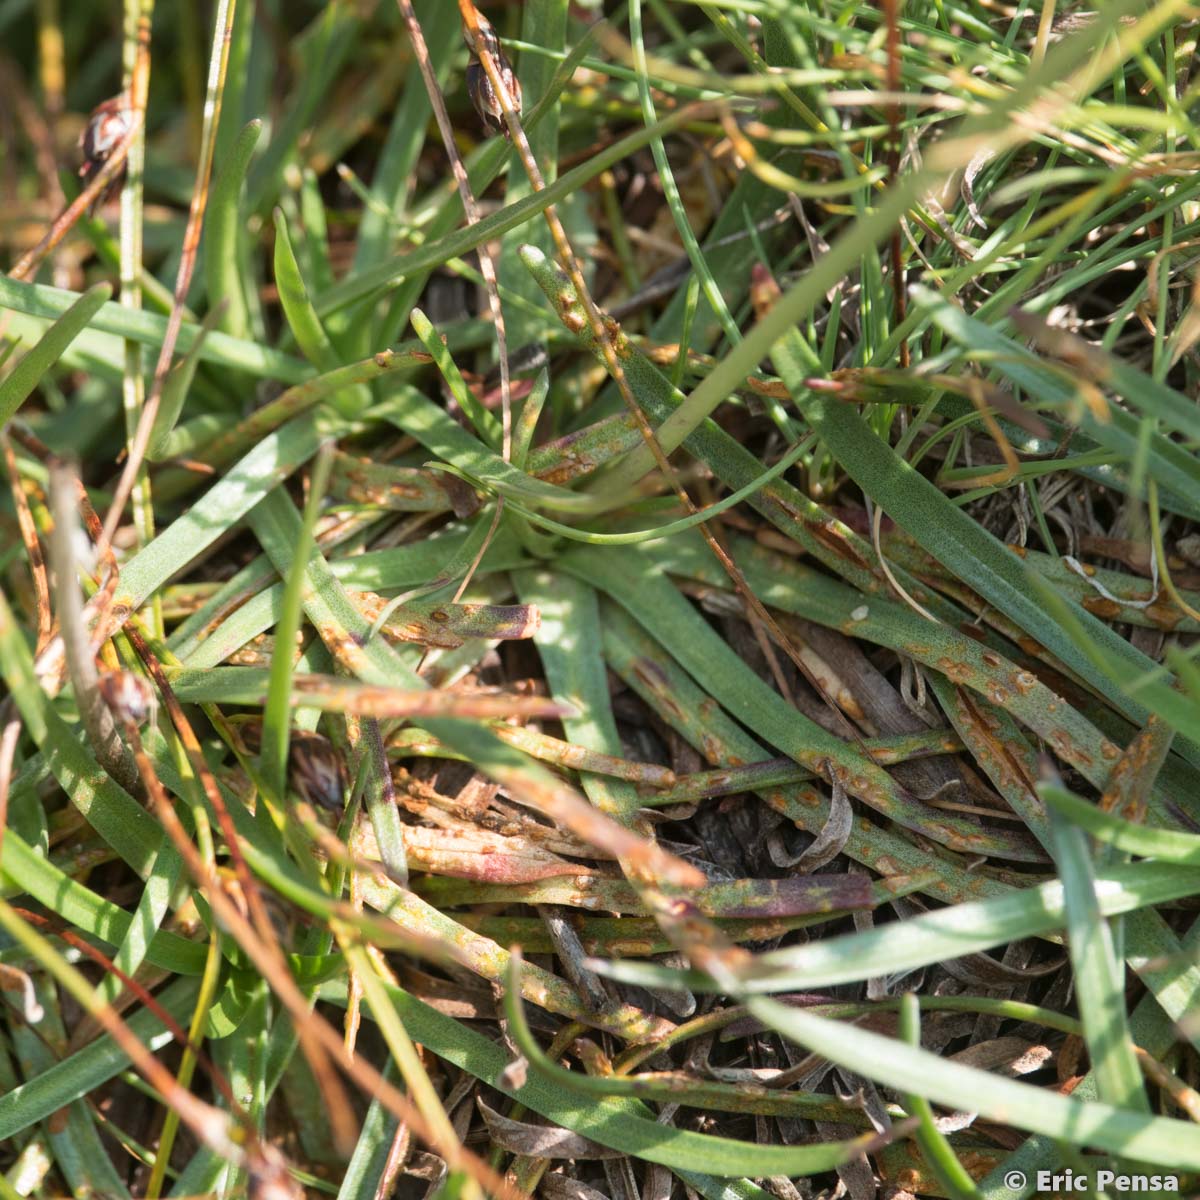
(648, 652)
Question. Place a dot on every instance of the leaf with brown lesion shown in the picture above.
(448, 625)
(475, 854)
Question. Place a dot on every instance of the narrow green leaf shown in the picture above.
(77, 1076)
(485, 422)
(25, 376)
(656, 604)
(301, 317)
(1161, 1141)
(277, 712)
(222, 258)
(935, 1146)
(1165, 845)
(949, 534)
(1099, 980)
(149, 329)
(933, 937)
(239, 490)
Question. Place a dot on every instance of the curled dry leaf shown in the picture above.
(562, 1187)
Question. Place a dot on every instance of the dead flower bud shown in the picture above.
(130, 696)
(479, 86)
(109, 123)
(316, 772)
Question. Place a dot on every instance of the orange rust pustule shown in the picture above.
(1009, 769)
(620, 343)
(1165, 616)
(955, 671)
(651, 674)
(571, 466)
(1102, 607)
(1024, 682)
(1067, 750)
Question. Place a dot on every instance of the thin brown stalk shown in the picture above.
(111, 570)
(265, 956)
(183, 279)
(341, 1116)
(8, 752)
(487, 265)
(97, 718)
(889, 574)
(602, 328)
(210, 1125)
(144, 997)
(37, 127)
(1184, 1095)
(891, 18)
(29, 262)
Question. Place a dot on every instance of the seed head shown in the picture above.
(479, 86)
(109, 123)
(316, 772)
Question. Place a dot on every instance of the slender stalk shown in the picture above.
(138, 17)
(144, 424)
(29, 262)
(98, 721)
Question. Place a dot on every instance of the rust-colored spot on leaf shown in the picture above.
(1165, 616)
(1102, 607)
(832, 538)
(1066, 749)
(633, 948)
(956, 672)
(1025, 682)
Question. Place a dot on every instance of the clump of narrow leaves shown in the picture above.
(598, 600)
